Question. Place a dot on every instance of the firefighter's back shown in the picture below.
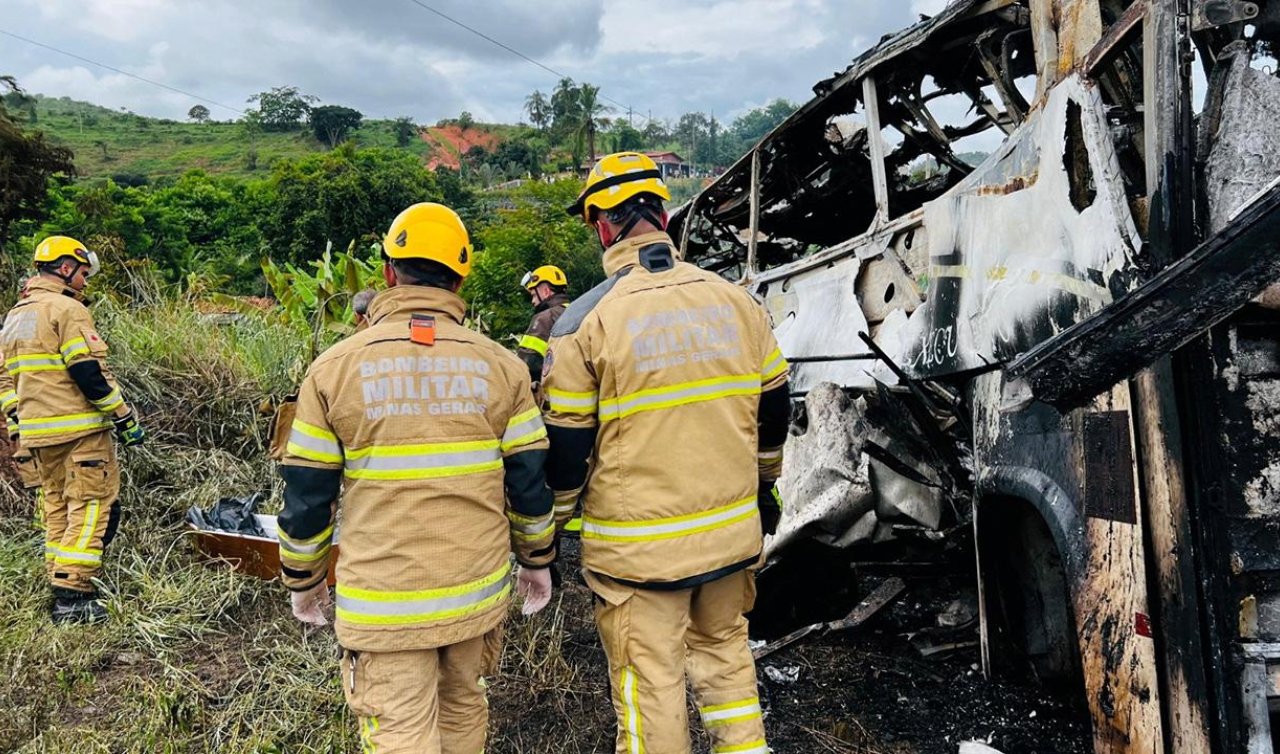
(678, 354)
(421, 428)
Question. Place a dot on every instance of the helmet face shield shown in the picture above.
(527, 281)
(94, 265)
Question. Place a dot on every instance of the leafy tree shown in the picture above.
(591, 116)
(691, 130)
(466, 120)
(656, 132)
(332, 123)
(28, 164)
(753, 125)
(539, 109)
(340, 196)
(520, 154)
(283, 108)
(623, 137)
(405, 131)
(198, 113)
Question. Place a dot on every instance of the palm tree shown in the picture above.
(539, 109)
(591, 114)
(564, 107)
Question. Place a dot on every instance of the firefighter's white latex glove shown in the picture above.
(534, 587)
(312, 605)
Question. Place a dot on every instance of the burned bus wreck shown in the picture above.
(1018, 255)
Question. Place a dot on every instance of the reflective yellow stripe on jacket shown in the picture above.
(54, 425)
(534, 343)
(313, 443)
(681, 394)
(669, 528)
(73, 348)
(524, 429)
(425, 461)
(35, 362)
(306, 550)
(532, 529)
(388, 608)
(774, 365)
(110, 402)
(567, 402)
(8, 399)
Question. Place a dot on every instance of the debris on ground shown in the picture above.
(789, 674)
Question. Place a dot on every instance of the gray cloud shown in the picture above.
(390, 57)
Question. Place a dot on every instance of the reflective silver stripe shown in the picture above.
(35, 363)
(631, 703)
(110, 402)
(679, 395)
(314, 448)
(58, 424)
(526, 431)
(572, 403)
(638, 531)
(774, 366)
(757, 746)
(566, 502)
(366, 606)
(90, 557)
(73, 348)
(527, 527)
(724, 714)
(318, 543)
(386, 459)
(769, 455)
(8, 399)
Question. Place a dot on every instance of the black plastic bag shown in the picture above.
(233, 514)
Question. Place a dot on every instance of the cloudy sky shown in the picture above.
(389, 58)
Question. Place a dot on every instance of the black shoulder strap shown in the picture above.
(576, 314)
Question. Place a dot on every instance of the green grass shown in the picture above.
(110, 143)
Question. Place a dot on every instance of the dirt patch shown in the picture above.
(451, 142)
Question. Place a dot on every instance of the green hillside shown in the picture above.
(113, 143)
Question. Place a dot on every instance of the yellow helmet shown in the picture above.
(430, 231)
(547, 273)
(54, 248)
(615, 179)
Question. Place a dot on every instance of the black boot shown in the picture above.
(70, 606)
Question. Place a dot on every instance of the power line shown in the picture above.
(123, 73)
(513, 51)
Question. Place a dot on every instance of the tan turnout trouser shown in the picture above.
(654, 638)
(29, 476)
(423, 701)
(80, 482)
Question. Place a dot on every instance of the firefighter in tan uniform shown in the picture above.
(68, 403)
(428, 432)
(546, 287)
(669, 380)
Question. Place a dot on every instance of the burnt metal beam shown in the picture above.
(1178, 304)
(1117, 35)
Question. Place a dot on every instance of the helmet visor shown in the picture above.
(94, 265)
(528, 280)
